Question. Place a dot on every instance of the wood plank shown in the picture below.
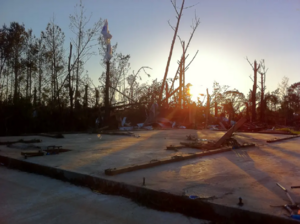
(153, 163)
(228, 134)
(282, 139)
(31, 154)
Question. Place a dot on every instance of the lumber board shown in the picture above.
(230, 131)
(282, 139)
(153, 163)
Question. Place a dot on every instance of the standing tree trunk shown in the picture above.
(86, 96)
(253, 107)
(97, 97)
(262, 99)
(180, 85)
(170, 55)
(78, 65)
(208, 108)
(183, 74)
(262, 96)
(34, 96)
(16, 84)
(216, 109)
(106, 99)
(70, 84)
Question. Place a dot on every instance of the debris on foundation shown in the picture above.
(54, 135)
(32, 154)
(173, 147)
(155, 162)
(119, 133)
(293, 208)
(21, 141)
(51, 150)
(23, 146)
(282, 139)
(192, 137)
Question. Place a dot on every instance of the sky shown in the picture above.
(229, 32)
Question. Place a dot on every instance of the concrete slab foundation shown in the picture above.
(217, 181)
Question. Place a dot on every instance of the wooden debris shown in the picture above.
(173, 147)
(32, 153)
(282, 139)
(53, 149)
(154, 163)
(117, 133)
(57, 135)
(199, 145)
(228, 134)
(192, 137)
(20, 141)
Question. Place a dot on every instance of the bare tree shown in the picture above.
(41, 62)
(283, 87)
(16, 38)
(54, 40)
(181, 64)
(83, 42)
(133, 82)
(172, 45)
(263, 73)
(182, 68)
(255, 70)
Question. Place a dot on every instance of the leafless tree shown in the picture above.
(263, 73)
(54, 40)
(84, 41)
(255, 68)
(181, 64)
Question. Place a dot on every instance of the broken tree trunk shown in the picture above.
(106, 96)
(253, 111)
(207, 109)
(69, 80)
(170, 55)
(262, 99)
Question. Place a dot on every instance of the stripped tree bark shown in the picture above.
(262, 90)
(253, 108)
(194, 26)
(172, 46)
(69, 79)
(83, 42)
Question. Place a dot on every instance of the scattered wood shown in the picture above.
(32, 153)
(228, 134)
(211, 145)
(173, 147)
(282, 139)
(53, 149)
(199, 145)
(117, 133)
(154, 163)
(56, 135)
(192, 137)
(20, 141)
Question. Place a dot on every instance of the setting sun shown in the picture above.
(196, 91)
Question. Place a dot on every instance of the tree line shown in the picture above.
(45, 87)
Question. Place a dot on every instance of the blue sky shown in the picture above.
(230, 31)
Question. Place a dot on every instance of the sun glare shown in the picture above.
(194, 92)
